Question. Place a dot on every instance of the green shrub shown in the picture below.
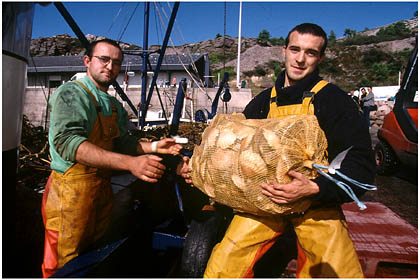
(230, 70)
(397, 30)
(329, 66)
(373, 56)
(249, 73)
(277, 41)
(216, 57)
(263, 37)
(364, 82)
(380, 71)
(272, 64)
(220, 57)
(260, 71)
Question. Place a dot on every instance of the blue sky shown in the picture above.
(199, 21)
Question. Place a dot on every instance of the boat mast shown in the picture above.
(145, 60)
(238, 69)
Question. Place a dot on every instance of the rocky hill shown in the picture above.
(354, 61)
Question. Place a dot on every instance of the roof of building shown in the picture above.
(131, 61)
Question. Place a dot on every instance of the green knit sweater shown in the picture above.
(73, 115)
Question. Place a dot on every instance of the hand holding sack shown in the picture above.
(237, 155)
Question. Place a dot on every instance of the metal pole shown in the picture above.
(179, 105)
(159, 63)
(73, 25)
(238, 68)
(399, 79)
(145, 60)
(68, 18)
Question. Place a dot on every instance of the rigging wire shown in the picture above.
(158, 30)
(194, 78)
(224, 36)
(125, 28)
(183, 65)
(124, 19)
(183, 43)
(115, 18)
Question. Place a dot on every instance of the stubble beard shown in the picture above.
(104, 81)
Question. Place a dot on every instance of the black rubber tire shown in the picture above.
(203, 234)
(386, 161)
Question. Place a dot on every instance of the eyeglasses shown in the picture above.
(105, 60)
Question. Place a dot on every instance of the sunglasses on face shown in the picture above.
(105, 60)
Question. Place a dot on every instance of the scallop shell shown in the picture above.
(239, 181)
(252, 164)
(272, 139)
(210, 136)
(242, 131)
(237, 154)
(222, 160)
(245, 142)
(209, 190)
(226, 139)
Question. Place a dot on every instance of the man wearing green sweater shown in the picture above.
(88, 139)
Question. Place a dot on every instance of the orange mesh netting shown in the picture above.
(237, 155)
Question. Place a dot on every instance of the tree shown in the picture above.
(381, 71)
(332, 36)
(218, 35)
(416, 13)
(364, 82)
(398, 29)
(349, 32)
(276, 41)
(260, 71)
(263, 37)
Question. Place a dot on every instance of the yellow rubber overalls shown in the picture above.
(324, 246)
(77, 204)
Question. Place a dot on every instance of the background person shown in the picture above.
(354, 97)
(368, 104)
(363, 95)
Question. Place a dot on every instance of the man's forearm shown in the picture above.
(92, 155)
(144, 148)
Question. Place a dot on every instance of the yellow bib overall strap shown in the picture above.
(107, 124)
(79, 202)
(305, 108)
(324, 246)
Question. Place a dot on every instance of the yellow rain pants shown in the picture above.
(77, 205)
(324, 246)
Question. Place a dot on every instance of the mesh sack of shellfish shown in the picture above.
(237, 155)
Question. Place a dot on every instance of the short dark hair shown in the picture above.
(92, 46)
(310, 28)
